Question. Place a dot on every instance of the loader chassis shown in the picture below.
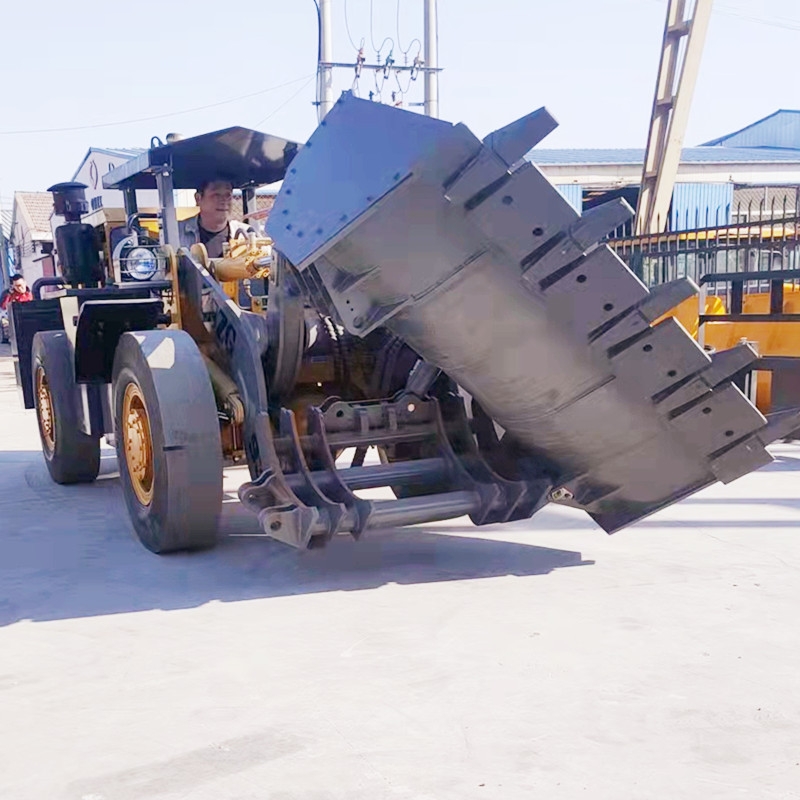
(431, 297)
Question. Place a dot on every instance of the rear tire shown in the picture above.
(167, 440)
(71, 455)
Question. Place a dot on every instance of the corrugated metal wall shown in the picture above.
(701, 205)
(573, 194)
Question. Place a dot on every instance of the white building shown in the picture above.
(31, 237)
(98, 162)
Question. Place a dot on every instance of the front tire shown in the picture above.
(71, 455)
(167, 440)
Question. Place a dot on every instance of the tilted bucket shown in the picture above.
(468, 253)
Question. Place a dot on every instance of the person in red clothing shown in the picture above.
(18, 293)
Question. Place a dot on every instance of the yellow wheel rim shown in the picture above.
(44, 403)
(138, 444)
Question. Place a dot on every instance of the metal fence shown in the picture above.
(751, 243)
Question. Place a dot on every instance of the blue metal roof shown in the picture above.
(587, 156)
(778, 130)
(689, 155)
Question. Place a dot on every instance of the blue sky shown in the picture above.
(591, 62)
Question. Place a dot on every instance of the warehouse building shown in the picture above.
(750, 175)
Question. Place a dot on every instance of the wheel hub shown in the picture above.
(44, 402)
(138, 443)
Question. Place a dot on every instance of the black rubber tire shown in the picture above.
(73, 456)
(186, 487)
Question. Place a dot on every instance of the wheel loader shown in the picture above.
(417, 293)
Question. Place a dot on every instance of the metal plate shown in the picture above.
(360, 152)
(698, 424)
(524, 214)
(659, 360)
(598, 289)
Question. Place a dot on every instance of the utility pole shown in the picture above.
(670, 111)
(431, 59)
(325, 68)
(429, 67)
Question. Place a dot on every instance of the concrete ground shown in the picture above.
(541, 659)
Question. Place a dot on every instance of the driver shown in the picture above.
(212, 227)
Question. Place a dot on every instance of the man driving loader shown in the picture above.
(212, 226)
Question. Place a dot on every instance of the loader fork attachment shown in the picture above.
(305, 499)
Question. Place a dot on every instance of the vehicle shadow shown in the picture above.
(67, 552)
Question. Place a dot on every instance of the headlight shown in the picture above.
(141, 264)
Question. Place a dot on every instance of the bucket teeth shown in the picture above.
(513, 141)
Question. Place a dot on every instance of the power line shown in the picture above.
(371, 31)
(777, 22)
(399, 40)
(285, 103)
(347, 27)
(405, 50)
(160, 116)
(372, 34)
(785, 23)
(319, 30)
(382, 69)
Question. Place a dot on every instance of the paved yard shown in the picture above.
(542, 659)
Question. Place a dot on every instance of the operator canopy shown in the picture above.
(243, 156)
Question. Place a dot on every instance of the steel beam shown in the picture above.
(670, 113)
(166, 198)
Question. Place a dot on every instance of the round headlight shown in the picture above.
(142, 264)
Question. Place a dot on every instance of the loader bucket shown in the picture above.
(464, 250)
